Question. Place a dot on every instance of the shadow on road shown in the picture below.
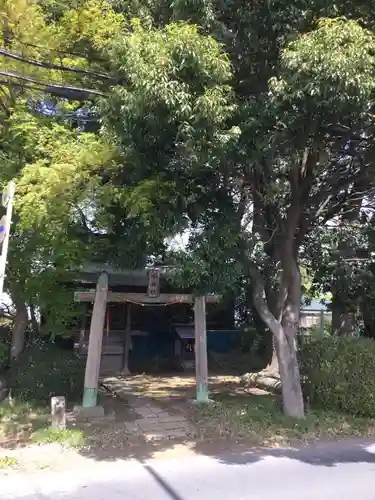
(115, 444)
(327, 454)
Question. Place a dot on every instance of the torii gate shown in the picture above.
(153, 296)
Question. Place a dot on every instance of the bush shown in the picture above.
(45, 370)
(5, 340)
(256, 342)
(4, 355)
(339, 374)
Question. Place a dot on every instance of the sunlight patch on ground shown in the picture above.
(175, 386)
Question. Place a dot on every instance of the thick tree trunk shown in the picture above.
(289, 375)
(287, 344)
(289, 369)
(285, 334)
(19, 330)
(277, 302)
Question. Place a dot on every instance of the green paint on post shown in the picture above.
(90, 397)
(202, 393)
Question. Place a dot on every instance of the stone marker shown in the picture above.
(58, 412)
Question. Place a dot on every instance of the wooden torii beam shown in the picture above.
(142, 298)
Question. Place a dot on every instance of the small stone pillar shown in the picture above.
(90, 394)
(201, 366)
(58, 418)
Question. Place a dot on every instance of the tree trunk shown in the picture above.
(285, 333)
(287, 344)
(19, 330)
(277, 302)
(288, 363)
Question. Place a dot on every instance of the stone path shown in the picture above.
(147, 418)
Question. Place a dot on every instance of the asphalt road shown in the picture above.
(343, 471)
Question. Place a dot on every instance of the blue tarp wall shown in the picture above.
(162, 344)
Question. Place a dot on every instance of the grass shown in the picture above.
(260, 419)
(43, 370)
(72, 438)
(23, 423)
(8, 462)
(19, 420)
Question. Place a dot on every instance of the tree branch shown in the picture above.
(259, 298)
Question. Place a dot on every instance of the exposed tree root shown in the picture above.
(263, 380)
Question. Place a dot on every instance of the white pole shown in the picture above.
(4, 250)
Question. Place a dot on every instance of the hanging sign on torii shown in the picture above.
(153, 289)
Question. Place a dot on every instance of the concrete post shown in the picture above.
(201, 349)
(90, 394)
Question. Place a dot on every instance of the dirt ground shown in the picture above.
(109, 439)
(172, 387)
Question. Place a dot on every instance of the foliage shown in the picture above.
(238, 362)
(7, 462)
(4, 354)
(43, 157)
(177, 96)
(72, 438)
(5, 338)
(52, 189)
(259, 419)
(45, 370)
(339, 374)
(19, 419)
(285, 170)
(314, 332)
(254, 341)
